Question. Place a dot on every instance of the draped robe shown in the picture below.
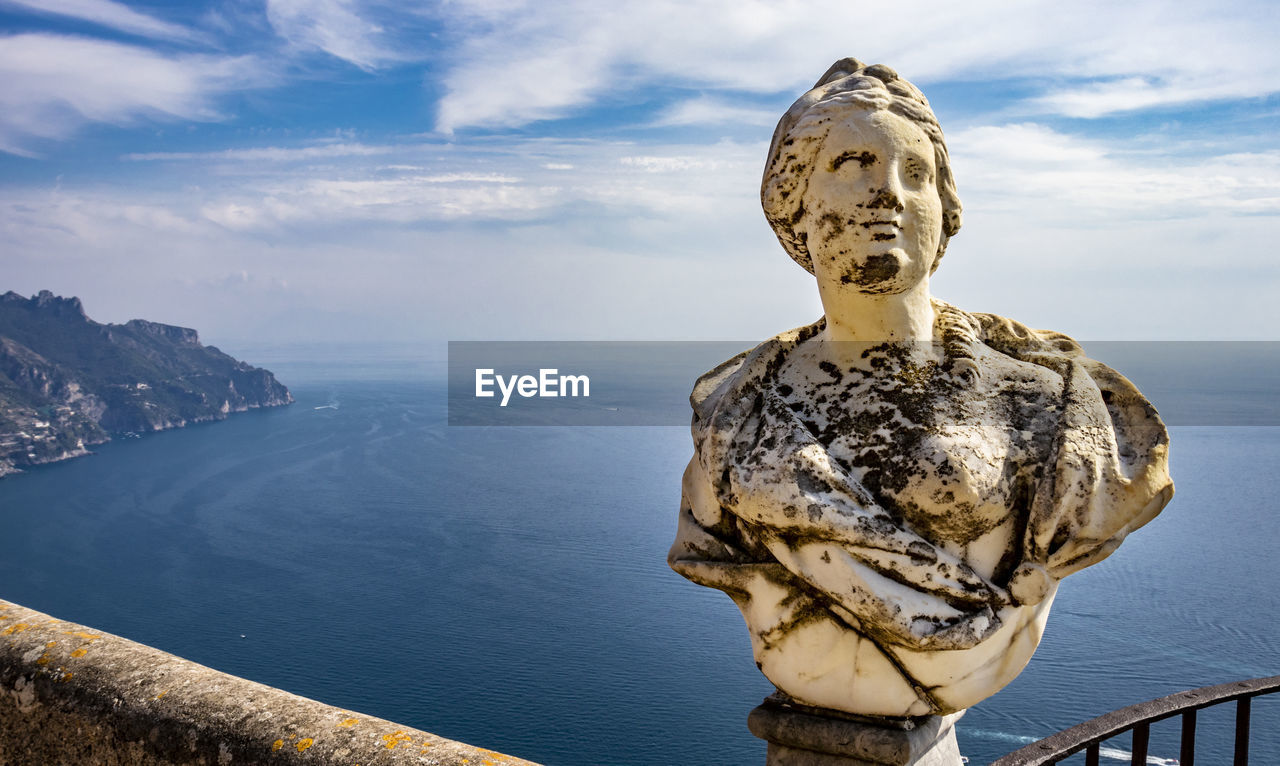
(852, 602)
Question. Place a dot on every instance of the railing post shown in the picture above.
(1141, 733)
(1242, 732)
(1187, 753)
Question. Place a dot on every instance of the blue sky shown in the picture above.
(287, 170)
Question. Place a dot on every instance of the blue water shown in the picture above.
(507, 586)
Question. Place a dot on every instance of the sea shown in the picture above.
(508, 586)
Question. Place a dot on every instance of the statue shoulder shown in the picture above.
(1058, 352)
(711, 385)
(749, 369)
(1060, 359)
(1018, 340)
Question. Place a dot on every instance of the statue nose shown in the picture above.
(886, 199)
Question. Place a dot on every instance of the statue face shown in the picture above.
(873, 216)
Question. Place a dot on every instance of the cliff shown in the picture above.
(68, 382)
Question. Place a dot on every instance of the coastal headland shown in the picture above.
(68, 382)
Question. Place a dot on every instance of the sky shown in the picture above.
(377, 170)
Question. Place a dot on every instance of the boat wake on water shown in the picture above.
(1110, 753)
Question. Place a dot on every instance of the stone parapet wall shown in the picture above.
(73, 695)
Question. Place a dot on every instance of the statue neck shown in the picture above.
(863, 318)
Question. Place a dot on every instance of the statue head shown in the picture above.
(849, 91)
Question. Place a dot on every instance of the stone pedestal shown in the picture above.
(800, 735)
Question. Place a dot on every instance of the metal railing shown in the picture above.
(1090, 735)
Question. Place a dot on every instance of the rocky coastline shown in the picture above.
(68, 382)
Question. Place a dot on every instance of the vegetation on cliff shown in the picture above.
(68, 382)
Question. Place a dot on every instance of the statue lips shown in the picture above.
(883, 231)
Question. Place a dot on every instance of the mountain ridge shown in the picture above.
(68, 382)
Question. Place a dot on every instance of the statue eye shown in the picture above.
(859, 158)
(916, 173)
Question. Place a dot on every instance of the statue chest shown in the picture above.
(951, 482)
(955, 461)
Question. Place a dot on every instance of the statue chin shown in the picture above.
(874, 270)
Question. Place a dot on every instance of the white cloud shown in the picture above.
(429, 231)
(336, 27)
(667, 164)
(1025, 145)
(526, 61)
(507, 63)
(109, 14)
(271, 153)
(1000, 168)
(54, 84)
(706, 110)
(1131, 94)
(246, 190)
(531, 61)
(409, 199)
(530, 186)
(1023, 171)
(420, 243)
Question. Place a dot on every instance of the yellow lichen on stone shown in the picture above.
(52, 643)
(395, 738)
(45, 659)
(86, 636)
(161, 694)
(347, 723)
(66, 676)
(303, 744)
(279, 743)
(16, 628)
(82, 651)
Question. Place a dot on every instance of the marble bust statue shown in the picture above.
(891, 494)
